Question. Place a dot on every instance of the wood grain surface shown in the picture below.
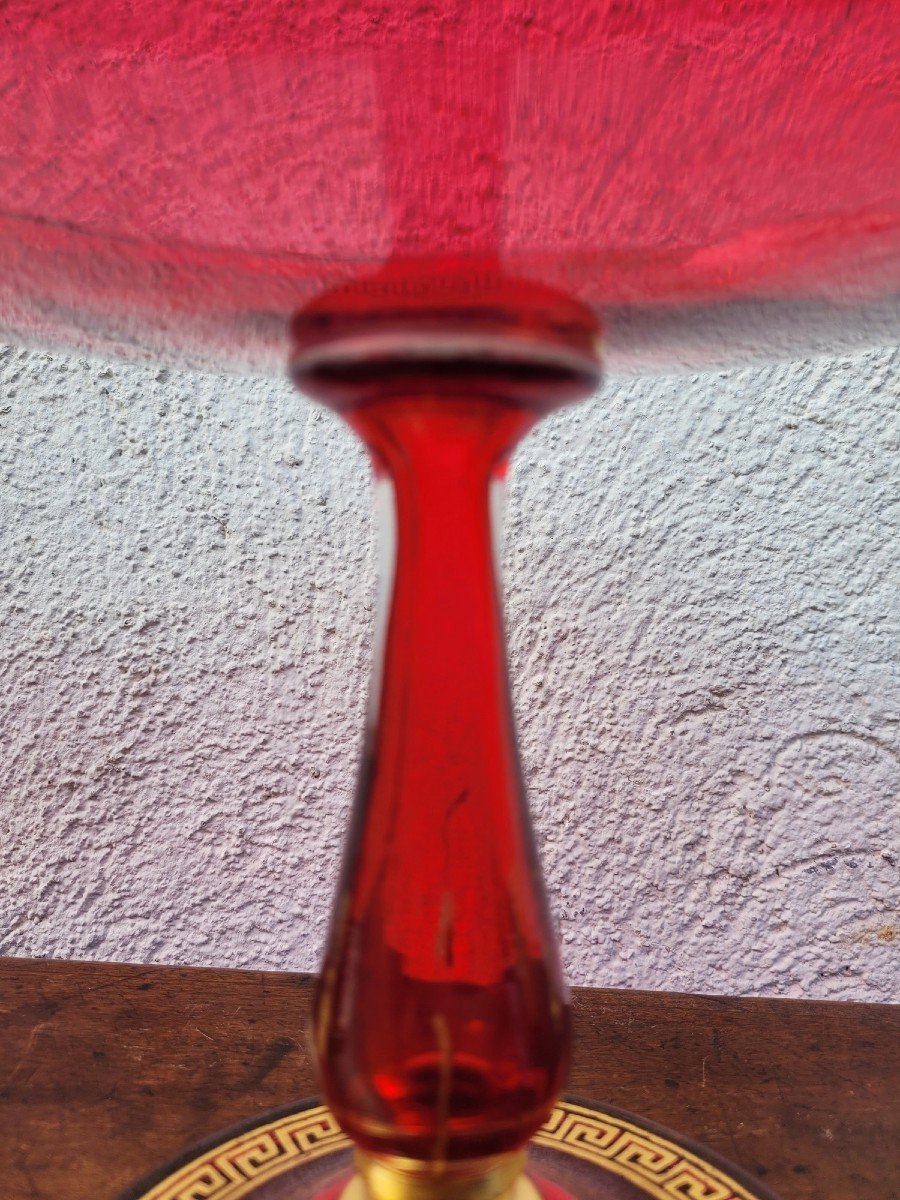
(106, 1071)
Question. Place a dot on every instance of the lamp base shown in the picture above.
(500, 1178)
(401, 1179)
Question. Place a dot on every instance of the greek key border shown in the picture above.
(237, 1167)
(656, 1166)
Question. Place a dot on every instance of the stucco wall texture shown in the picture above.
(701, 588)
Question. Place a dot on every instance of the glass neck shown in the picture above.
(442, 1021)
(441, 685)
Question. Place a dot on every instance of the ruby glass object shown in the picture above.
(442, 1020)
(715, 179)
(435, 215)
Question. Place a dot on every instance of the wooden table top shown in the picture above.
(107, 1071)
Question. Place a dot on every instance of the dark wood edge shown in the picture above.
(578, 992)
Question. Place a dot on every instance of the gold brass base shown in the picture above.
(406, 1179)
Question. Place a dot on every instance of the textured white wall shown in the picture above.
(702, 605)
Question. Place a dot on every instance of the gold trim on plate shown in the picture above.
(656, 1166)
(660, 1168)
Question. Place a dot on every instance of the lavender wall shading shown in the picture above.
(701, 582)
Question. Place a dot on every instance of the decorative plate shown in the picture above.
(582, 1152)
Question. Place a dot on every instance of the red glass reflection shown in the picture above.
(182, 177)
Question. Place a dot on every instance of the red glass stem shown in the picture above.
(442, 1019)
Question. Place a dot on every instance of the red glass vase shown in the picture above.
(442, 1020)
